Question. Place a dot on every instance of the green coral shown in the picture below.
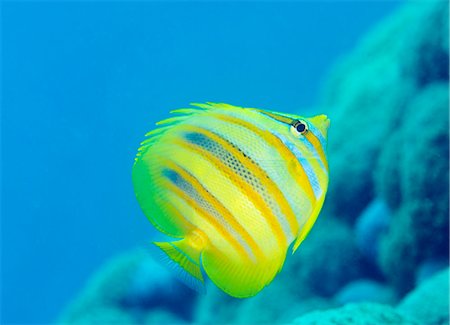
(269, 307)
(326, 260)
(162, 317)
(216, 307)
(419, 228)
(103, 295)
(100, 315)
(369, 93)
(356, 314)
(127, 290)
(393, 92)
(429, 303)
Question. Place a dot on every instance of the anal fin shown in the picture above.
(183, 257)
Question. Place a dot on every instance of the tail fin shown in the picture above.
(184, 259)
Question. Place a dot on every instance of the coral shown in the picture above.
(393, 91)
(162, 317)
(269, 307)
(429, 267)
(397, 259)
(356, 314)
(100, 315)
(388, 172)
(130, 286)
(366, 290)
(429, 303)
(325, 261)
(369, 227)
(419, 228)
(216, 307)
(369, 93)
(425, 169)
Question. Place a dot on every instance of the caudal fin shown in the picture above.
(184, 259)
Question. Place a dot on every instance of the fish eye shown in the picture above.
(299, 127)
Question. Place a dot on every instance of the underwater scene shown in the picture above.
(225, 162)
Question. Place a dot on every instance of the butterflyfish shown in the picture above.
(234, 188)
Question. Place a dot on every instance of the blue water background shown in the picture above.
(83, 81)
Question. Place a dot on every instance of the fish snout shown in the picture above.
(322, 122)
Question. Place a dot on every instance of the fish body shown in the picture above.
(235, 187)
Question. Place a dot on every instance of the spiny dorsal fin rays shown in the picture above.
(282, 117)
(185, 111)
(171, 120)
(212, 105)
(184, 114)
(201, 105)
(156, 131)
(167, 124)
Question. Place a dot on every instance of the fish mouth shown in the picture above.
(324, 121)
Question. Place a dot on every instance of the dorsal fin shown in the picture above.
(183, 114)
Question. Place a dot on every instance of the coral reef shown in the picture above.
(419, 228)
(399, 104)
(321, 265)
(429, 267)
(125, 289)
(369, 228)
(270, 306)
(370, 92)
(216, 307)
(162, 317)
(356, 314)
(429, 303)
(366, 290)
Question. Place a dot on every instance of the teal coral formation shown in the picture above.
(429, 303)
(356, 314)
(419, 228)
(366, 290)
(370, 92)
(383, 233)
(126, 289)
(370, 227)
(395, 91)
(321, 265)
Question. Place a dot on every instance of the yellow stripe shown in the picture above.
(316, 144)
(263, 177)
(177, 215)
(208, 218)
(195, 232)
(218, 206)
(217, 182)
(248, 190)
(296, 170)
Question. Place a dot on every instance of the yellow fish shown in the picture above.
(237, 186)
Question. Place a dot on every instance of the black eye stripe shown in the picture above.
(300, 126)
